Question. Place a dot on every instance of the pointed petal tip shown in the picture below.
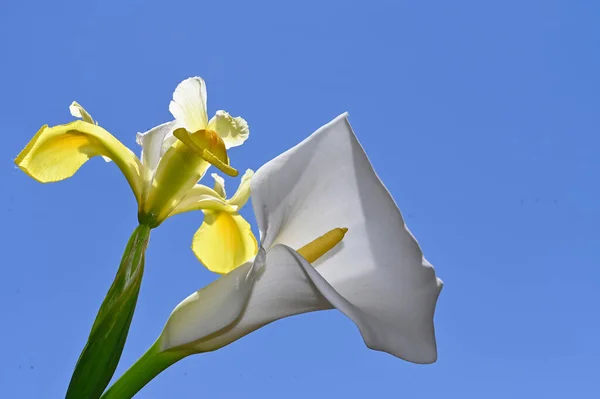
(218, 178)
(341, 117)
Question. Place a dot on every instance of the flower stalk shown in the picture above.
(152, 363)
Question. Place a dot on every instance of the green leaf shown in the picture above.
(101, 354)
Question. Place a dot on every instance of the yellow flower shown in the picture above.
(175, 155)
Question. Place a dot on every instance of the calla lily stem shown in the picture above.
(152, 363)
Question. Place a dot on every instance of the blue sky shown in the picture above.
(482, 118)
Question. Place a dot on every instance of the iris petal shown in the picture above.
(56, 153)
(224, 241)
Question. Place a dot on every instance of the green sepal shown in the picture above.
(101, 354)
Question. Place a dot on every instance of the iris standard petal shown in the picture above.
(188, 106)
(233, 130)
(224, 241)
(152, 146)
(56, 153)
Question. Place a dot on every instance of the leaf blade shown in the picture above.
(100, 356)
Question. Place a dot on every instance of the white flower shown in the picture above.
(377, 275)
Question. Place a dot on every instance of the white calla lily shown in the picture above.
(377, 275)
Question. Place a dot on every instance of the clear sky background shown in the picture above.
(481, 117)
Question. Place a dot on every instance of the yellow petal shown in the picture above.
(201, 197)
(233, 131)
(224, 241)
(56, 153)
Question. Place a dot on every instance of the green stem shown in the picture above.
(102, 352)
(152, 363)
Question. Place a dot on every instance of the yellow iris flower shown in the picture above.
(175, 155)
(164, 179)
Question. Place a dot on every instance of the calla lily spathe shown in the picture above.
(377, 275)
(175, 155)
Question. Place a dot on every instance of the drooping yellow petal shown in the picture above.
(233, 131)
(224, 241)
(56, 153)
